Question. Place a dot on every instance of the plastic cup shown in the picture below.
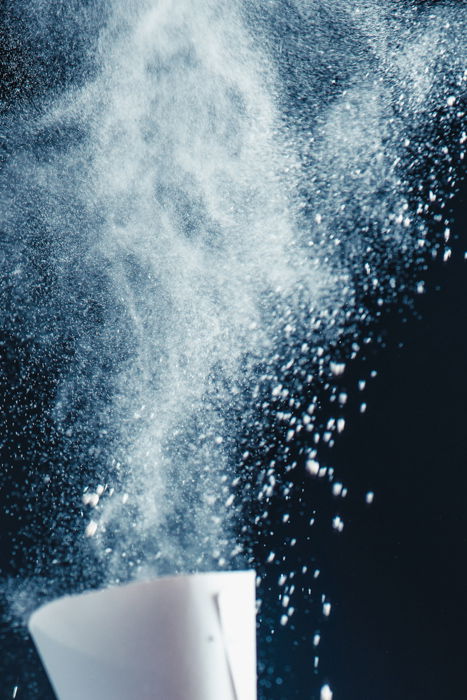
(175, 638)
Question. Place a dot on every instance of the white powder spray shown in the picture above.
(211, 215)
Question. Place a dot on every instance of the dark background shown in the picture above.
(401, 586)
(397, 574)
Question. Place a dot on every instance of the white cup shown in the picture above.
(175, 638)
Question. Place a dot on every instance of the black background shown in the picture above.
(397, 574)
